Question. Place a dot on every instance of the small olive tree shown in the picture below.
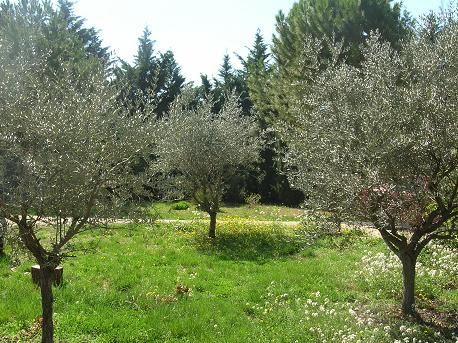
(66, 151)
(379, 143)
(200, 150)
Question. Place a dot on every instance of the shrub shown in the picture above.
(180, 206)
(252, 199)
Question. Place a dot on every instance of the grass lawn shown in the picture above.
(165, 210)
(254, 283)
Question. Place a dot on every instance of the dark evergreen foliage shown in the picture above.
(152, 76)
(349, 21)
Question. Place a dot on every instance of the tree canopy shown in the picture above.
(354, 102)
(59, 35)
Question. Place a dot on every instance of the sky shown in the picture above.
(199, 32)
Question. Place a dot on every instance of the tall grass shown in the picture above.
(254, 283)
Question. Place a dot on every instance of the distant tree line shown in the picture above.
(266, 84)
(268, 79)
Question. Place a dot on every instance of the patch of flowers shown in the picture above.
(440, 261)
(438, 264)
(323, 320)
(318, 316)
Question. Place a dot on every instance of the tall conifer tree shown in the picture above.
(271, 184)
(154, 76)
(348, 20)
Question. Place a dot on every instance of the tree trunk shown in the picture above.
(212, 229)
(408, 276)
(47, 304)
(3, 225)
(2, 243)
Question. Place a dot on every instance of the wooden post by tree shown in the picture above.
(57, 277)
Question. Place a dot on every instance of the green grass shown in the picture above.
(167, 210)
(254, 283)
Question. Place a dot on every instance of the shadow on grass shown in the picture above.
(250, 245)
(3, 260)
(445, 322)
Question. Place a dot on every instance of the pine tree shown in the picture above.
(333, 20)
(271, 184)
(223, 83)
(58, 35)
(258, 72)
(157, 78)
(226, 73)
(206, 87)
(170, 82)
(87, 35)
(230, 80)
(145, 64)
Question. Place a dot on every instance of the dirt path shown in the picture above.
(366, 227)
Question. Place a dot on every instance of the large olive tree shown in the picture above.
(379, 143)
(66, 151)
(200, 150)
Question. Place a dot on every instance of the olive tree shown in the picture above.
(200, 150)
(66, 151)
(379, 143)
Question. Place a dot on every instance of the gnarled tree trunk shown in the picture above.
(47, 304)
(212, 229)
(408, 276)
(407, 254)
